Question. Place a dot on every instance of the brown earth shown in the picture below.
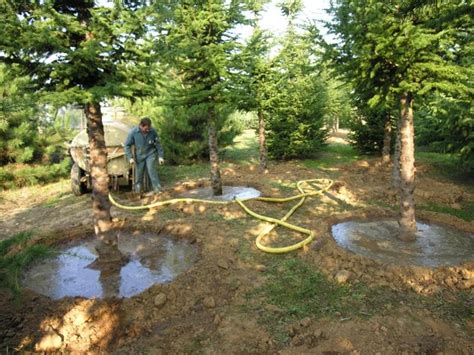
(206, 309)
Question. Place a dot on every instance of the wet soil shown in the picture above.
(206, 308)
(434, 245)
(229, 193)
(151, 259)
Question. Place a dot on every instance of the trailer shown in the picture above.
(119, 170)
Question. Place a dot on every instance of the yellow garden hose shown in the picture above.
(326, 183)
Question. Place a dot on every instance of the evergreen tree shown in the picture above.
(18, 124)
(257, 84)
(338, 104)
(79, 53)
(198, 44)
(446, 124)
(408, 46)
(296, 123)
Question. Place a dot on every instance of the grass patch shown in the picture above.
(12, 262)
(459, 307)
(168, 213)
(466, 212)
(333, 154)
(172, 174)
(244, 150)
(294, 290)
(284, 187)
(445, 165)
(16, 176)
(298, 291)
(55, 200)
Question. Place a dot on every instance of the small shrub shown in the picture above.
(15, 176)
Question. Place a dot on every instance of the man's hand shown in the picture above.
(132, 161)
(161, 161)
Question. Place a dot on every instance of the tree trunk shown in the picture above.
(387, 140)
(262, 141)
(396, 158)
(107, 247)
(407, 220)
(216, 181)
(335, 124)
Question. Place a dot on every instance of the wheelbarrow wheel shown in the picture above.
(78, 187)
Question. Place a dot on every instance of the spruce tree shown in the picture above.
(257, 84)
(298, 106)
(78, 52)
(409, 46)
(18, 113)
(198, 44)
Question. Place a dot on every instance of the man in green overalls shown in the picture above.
(147, 150)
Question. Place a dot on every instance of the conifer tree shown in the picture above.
(404, 45)
(18, 110)
(298, 107)
(257, 84)
(81, 53)
(198, 44)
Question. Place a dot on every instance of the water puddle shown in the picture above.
(435, 245)
(152, 259)
(229, 193)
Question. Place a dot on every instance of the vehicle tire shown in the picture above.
(78, 187)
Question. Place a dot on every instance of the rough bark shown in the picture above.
(407, 220)
(216, 181)
(98, 171)
(262, 141)
(107, 247)
(396, 159)
(387, 140)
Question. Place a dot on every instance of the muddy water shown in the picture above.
(435, 245)
(152, 259)
(229, 193)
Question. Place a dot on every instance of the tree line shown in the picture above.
(408, 61)
(395, 64)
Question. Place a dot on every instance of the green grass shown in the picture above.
(333, 154)
(445, 165)
(383, 204)
(172, 174)
(459, 308)
(466, 212)
(15, 176)
(244, 149)
(15, 256)
(298, 290)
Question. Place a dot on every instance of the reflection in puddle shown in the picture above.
(229, 193)
(152, 259)
(434, 246)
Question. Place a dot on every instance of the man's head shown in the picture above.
(145, 125)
